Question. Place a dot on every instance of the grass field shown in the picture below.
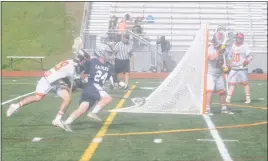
(39, 29)
(179, 133)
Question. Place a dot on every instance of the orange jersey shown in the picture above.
(61, 70)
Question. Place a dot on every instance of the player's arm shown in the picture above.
(213, 56)
(248, 55)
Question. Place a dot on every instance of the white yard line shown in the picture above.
(21, 96)
(215, 140)
(218, 140)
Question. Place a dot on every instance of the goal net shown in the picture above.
(182, 91)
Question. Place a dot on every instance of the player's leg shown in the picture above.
(104, 101)
(126, 70)
(210, 89)
(83, 107)
(231, 84)
(66, 101)
(42, 89)
(243, 75)
(165, 59)
(220, 88)
(112, 78)
(88, 99)
(117, 70)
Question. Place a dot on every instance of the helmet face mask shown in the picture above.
(102, 56)
(218, 39)
(79, 61)
(239, 38)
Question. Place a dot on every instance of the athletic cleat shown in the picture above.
(68, 127)
(12, 108)
(208, 112)
(59, 124)
(94, 116)
(227, 111)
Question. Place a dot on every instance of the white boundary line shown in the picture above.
(215, 140)
(218, 140)
(21, 96)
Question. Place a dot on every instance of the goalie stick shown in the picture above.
(138, 101)
(226, 39)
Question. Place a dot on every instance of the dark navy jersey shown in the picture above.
(97, 72)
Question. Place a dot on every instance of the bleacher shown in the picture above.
(180, 20)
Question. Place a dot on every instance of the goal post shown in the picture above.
(183, 91)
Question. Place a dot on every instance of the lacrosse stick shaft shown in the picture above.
(225, 74)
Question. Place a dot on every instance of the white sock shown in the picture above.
(248, 96)
(96, 109)
(69, 120)
(59, 115)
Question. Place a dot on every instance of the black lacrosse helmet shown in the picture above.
(80, 59)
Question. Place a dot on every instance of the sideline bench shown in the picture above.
(12, 61)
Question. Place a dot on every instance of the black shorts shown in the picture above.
(90, 94)
(122, 66)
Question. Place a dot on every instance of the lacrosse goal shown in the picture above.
(182, 92)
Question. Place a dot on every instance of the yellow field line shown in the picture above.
(185, 130)
(88, 153)
(237, 105)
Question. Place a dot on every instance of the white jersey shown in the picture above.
(239, 55)
(61, 70)
(214, 66)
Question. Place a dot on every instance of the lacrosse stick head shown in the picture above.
(221, 36)
(138, 101)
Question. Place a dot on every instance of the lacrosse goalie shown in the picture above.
(240, 58)
(215, 81)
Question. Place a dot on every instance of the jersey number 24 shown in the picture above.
(100, 76)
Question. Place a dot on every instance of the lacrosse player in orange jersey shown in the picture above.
(55, 78)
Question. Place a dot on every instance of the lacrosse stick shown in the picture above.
(224, 42)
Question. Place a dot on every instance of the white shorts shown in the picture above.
(215, 83)
(238, 76)
(57, 90)
(43, 87)
(102, 92)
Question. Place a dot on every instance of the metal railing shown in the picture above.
(156, 56)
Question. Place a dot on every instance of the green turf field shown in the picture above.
(125, 139)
